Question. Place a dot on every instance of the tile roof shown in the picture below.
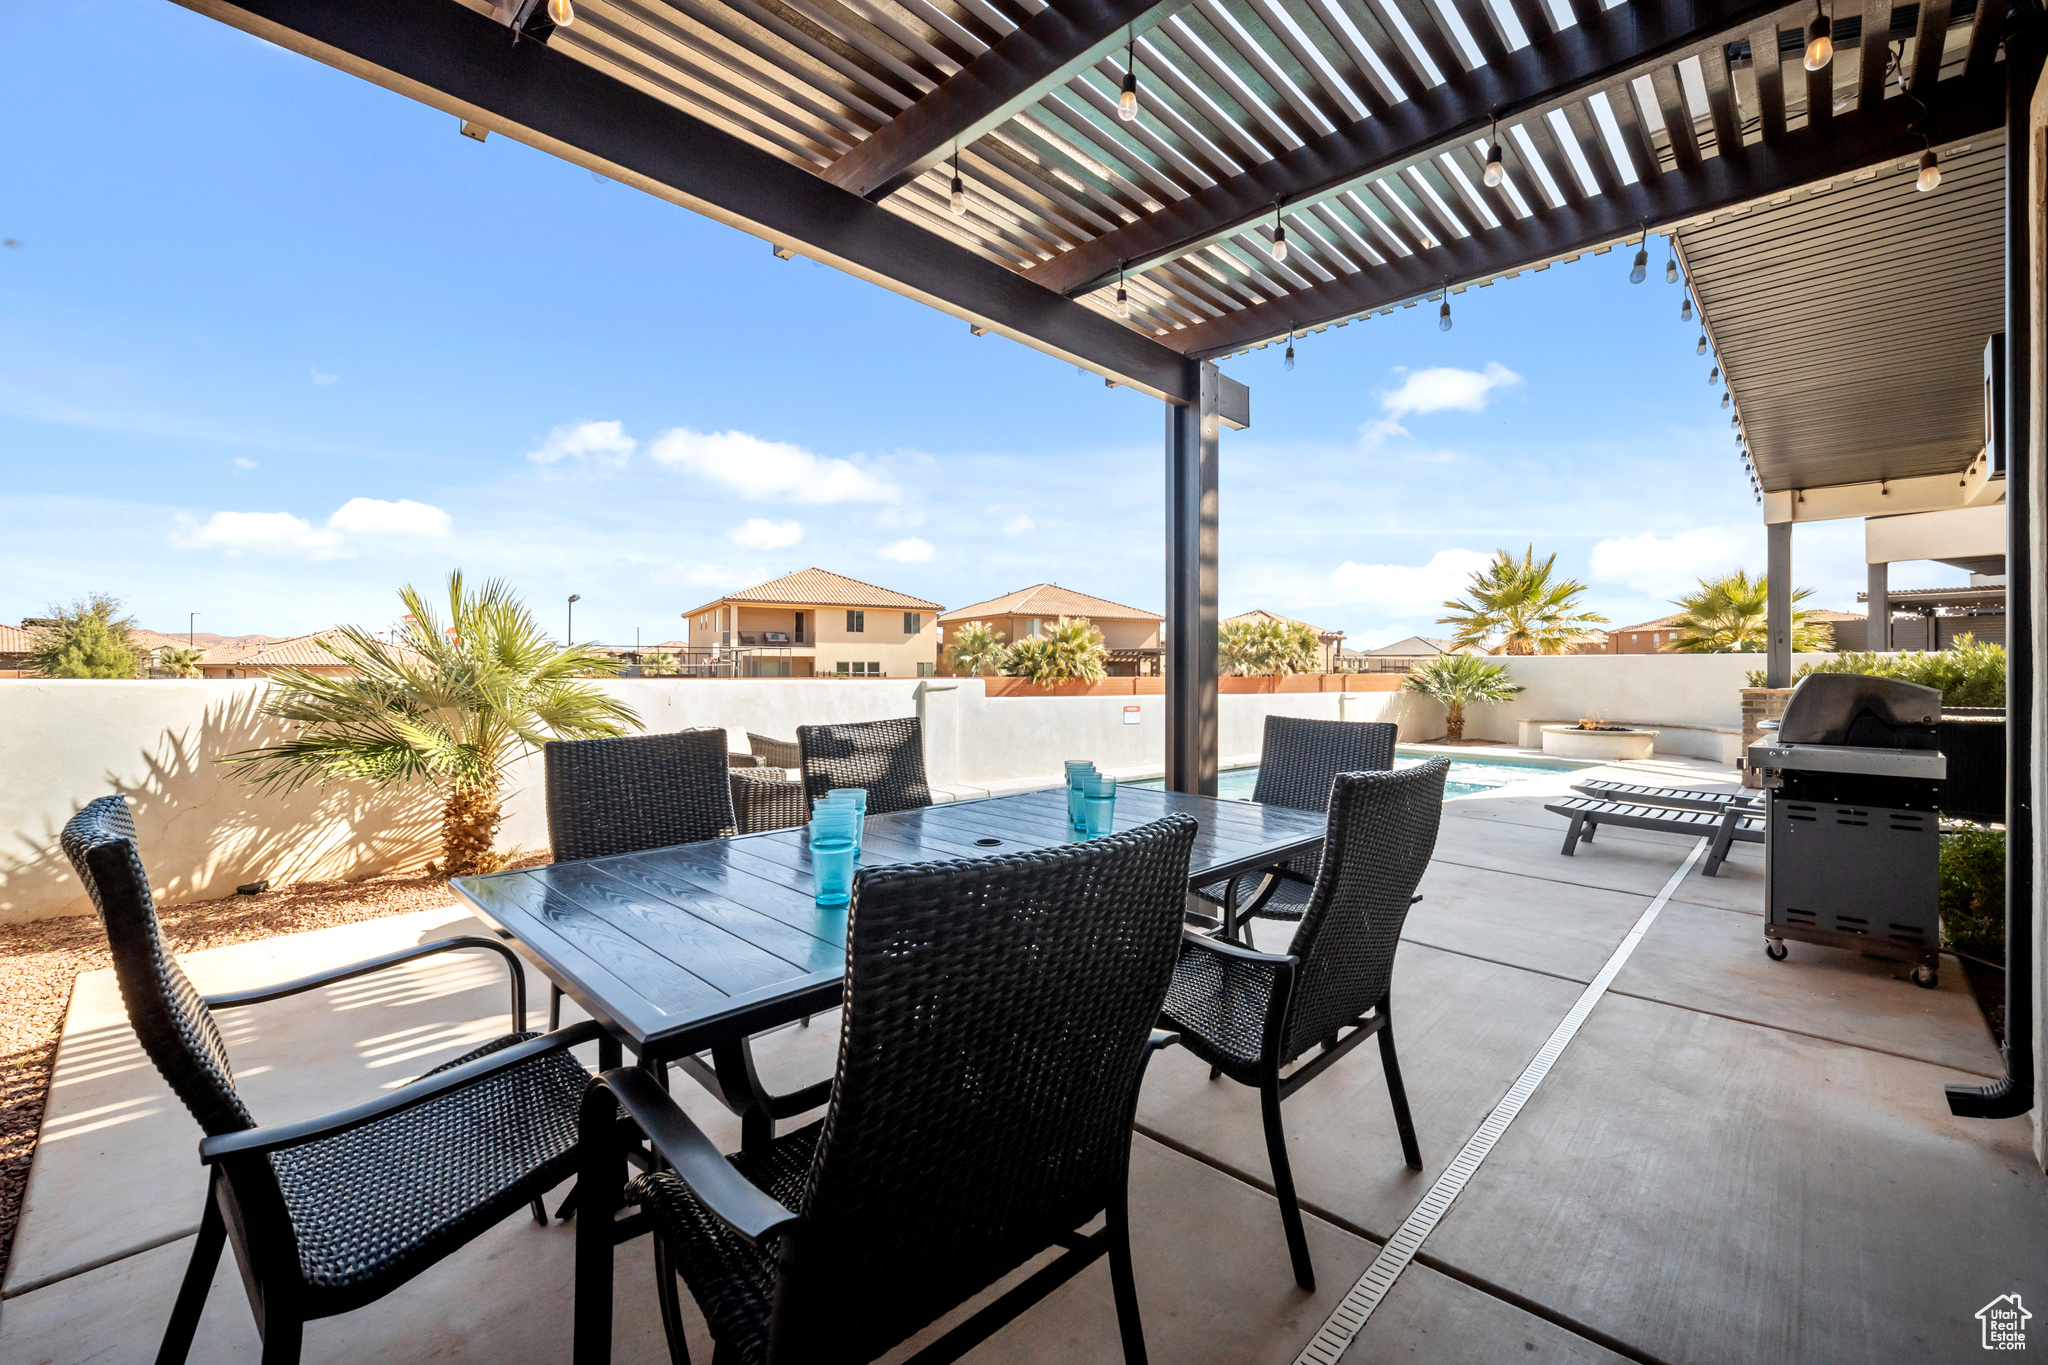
(818, 587)
(15, 640)
(1259, 613)
(1402, 649)
(1661, 623)
(1050, 599)
(300, 651)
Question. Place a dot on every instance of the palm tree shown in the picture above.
(1459, 681)
(1266, 646)
(1519, 607)
(1730, 615)
(1033, 657)
(1079, 648)
(183, 662)
(977, 649)
(452, 707)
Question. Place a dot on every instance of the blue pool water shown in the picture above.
(1466, 777)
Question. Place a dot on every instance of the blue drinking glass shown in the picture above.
(851, 801)
(832, 862)
(1078, 770)
(836, 820)
(1098, 804)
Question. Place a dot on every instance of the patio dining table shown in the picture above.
(693, 949)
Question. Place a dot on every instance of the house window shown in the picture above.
(858, 669)
(856, 623)
(924, 670)
(913, 622)
(1031, 627)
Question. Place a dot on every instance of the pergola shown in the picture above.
(971, 154)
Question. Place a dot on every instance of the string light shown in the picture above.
(1671, 263)
(1724, 400)
(1127, 102)
(561, 13)
(1123, 300)
(1495, 170)
(958, 201)
(1279, 247)
(1289, 361)
(1443, 314)
(1930, 171)
(1685, 309)
(1640, 270)
(1713, 374)
(1820, 44)
(1701, 348)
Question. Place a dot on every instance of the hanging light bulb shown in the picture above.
(1701, 348)
(1641, 269)
(1279, 247)
(1820, 43)
(1930, 171)
(1123, 301)
(1724, 400)
(1495, 171)
(1713, 374)
(1289, 362)
(1127, 102)
(1443, 314)
(1670, 261)
(958, 200)
(1685, 309)
(562, 13)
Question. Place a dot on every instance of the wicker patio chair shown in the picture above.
(328, 1214)
(1248, 1014)
(884, 756)
(999, 1016)
(1298, 760)
(626, 795)
(763, 799)
(775, 753)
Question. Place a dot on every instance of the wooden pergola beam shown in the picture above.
(1957, 109)
(1611, 48)
(1051, 48)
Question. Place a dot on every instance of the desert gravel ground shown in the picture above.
(39, 962)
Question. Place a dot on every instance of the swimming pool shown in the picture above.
(1466, 776)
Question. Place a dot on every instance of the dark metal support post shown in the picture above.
(1190, 645)
(2013, 1093)
(1778, 606)
(1877, 635)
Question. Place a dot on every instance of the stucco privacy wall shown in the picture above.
(1692, 697)
(203, 831)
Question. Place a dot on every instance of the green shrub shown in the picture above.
(1973, 892)
(1968, 674)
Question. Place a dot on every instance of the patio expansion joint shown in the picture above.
(84, 1267)
(1802, 1033)
(1351, 1315)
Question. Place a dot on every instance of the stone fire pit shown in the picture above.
(1613, 743)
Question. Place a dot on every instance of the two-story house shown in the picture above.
(1129, 634)
(815, 624)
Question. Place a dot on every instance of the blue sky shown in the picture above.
(274, 341)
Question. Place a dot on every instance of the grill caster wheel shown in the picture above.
(1775, 949)
(1925, 976)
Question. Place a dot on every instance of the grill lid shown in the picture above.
(1855, 709)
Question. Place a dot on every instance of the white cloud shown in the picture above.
(905, 517)
(1018, 525)
(1406, 590)
(319, 378)
(596, 445)
(375, 517)
(758, 470)
(1665, 566)
(909, 550)
(281, 533)
(712, 576)
(759, 533)
(259, 533)
(1442, 388)
(241, 463)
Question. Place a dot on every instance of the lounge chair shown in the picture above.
(1724, 825)
(1681, 798)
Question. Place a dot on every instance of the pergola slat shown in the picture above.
(1677, 115)
(1721, 101)
(1927, 45)
(1599, 156)
(1957, 110)
(1984, 36)
(1768, 66)
(1877, 34)
(1053, 47)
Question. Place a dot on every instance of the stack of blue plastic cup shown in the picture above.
(1078, 770)
(1098, 804)
(854, 797)
(835, 850)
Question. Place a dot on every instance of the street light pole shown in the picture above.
(191, 638)
(574, 598)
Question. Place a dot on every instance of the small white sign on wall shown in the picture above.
(1133, 714)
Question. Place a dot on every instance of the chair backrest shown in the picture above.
(609, 796)
(1300, 758)
(1382, 831)
(990, 1051)
(763, 799)
(170, 1019)
(885, 756)
(776, 753)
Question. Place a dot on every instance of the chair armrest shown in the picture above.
(1225, 948)
(739, 1203)
(232, 999)
(251, 1141)
(1160, 1040)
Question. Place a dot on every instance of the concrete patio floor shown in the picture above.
(1735, 1159)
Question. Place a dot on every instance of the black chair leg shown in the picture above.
(282, 1338)
(671, 1304)
(554, 1008)
(540, 1212)
(177, 1342)
(1397, 1092)
(1283, 1181)
(1123, 1282)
